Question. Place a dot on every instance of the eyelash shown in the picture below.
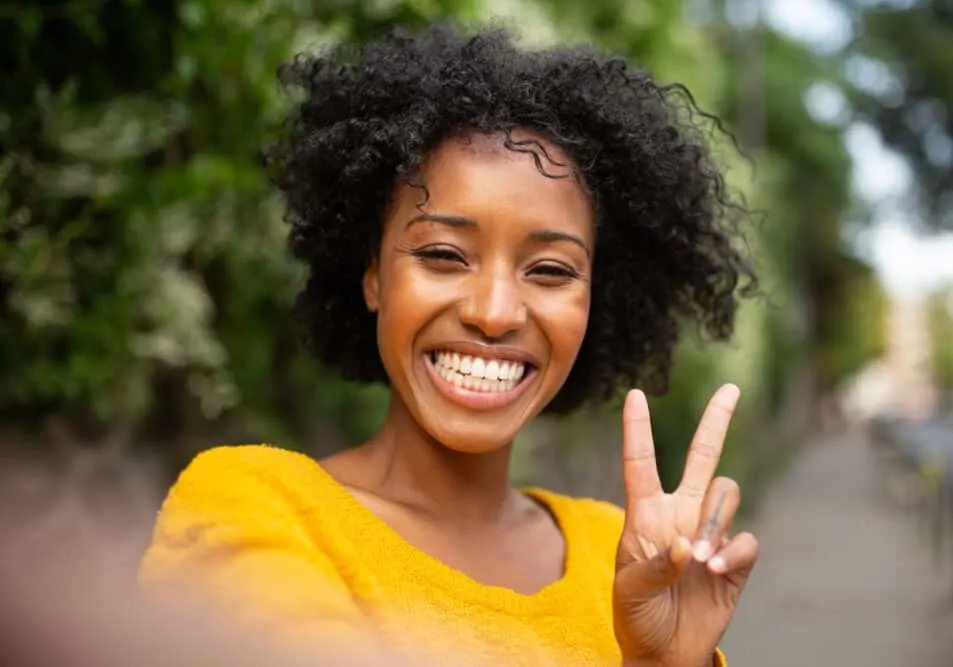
(440, 254)
(447, 255)
(554, 271)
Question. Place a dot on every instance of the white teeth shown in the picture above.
(479, 368)
(478, 374)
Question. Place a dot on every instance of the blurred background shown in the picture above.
(145, 291)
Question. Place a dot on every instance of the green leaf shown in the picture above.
(30, 19)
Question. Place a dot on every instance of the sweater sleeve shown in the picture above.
(233, 528)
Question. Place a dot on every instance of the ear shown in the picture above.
(371, 284)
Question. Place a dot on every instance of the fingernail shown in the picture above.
(717, 565)
(702, 551)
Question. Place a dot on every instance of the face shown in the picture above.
(482, 293)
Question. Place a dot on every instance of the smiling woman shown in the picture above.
(495, 234)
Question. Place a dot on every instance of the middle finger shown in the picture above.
(705, 451)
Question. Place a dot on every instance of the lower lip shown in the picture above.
(482, 401)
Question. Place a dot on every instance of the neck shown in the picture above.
(407, 465)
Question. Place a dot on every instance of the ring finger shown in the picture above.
(718, 513)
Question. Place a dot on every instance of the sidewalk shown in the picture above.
(844, 580)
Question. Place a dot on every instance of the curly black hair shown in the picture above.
(668, 229)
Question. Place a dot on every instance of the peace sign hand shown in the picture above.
(678, 573)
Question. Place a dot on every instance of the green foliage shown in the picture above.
(143, 273)
(904, 87)
(854, 333)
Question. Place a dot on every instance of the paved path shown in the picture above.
(844, 580)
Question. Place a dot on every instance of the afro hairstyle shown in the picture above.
(668, 238)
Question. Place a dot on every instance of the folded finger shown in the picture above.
(718, 512)
(647, 577)
(737, 557)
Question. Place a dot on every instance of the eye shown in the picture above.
(551, 272)
(440, 255)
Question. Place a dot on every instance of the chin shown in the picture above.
(484, 437)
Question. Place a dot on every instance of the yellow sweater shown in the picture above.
(270, 531)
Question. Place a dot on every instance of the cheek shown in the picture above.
(564, 324)
(408, 300)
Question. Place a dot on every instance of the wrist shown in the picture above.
(713, 660)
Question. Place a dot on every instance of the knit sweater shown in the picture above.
(273, 534)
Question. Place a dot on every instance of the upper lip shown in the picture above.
(502, 352)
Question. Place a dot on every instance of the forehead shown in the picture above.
(489, 175)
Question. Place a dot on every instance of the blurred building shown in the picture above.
(901, 383)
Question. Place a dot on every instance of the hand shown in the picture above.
(678, 573)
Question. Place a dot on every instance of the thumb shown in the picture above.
(646, 577)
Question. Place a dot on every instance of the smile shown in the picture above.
(478, 383)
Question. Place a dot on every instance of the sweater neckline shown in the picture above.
(381, 540)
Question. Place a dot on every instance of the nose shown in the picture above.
(494, 303)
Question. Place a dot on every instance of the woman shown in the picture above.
(496, 234)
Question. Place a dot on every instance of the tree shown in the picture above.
(144, 284)
(940, 313)
(901, 65)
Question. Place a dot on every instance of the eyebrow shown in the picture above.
(461, 222)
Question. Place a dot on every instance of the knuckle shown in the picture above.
(638, 418)
(724, 405)
(692, 490)
(707, 442)
(727, 485)
(640, 453)
(705, 446)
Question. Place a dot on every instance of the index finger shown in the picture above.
(709, 441)
(639, 468)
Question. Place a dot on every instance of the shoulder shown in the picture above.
(253, 526)
(254, 460)
(227, 473)
(243, 500)
(225, 488)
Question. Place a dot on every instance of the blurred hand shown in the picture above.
(678, 573)
(69, 595)
(86, 615)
